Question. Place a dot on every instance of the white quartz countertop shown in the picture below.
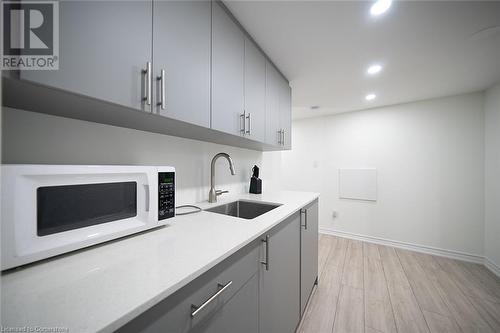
(103, 287)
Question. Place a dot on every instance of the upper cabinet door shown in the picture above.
(272, 105)
(227, 73)
(104, 47)
(255, 92)
(285, 98)
(181, 39)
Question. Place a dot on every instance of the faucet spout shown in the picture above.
(212, 195)
(231, 167)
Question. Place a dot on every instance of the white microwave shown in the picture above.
(48, 210)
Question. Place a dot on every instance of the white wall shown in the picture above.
(492, 175)
(430, 162)
(37, 138)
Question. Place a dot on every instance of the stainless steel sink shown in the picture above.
(244, 209)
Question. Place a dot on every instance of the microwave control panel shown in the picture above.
(166, 195)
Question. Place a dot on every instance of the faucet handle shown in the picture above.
(219, 192)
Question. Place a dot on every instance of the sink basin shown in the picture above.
(244, 209)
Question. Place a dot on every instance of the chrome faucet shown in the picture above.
(212, 195)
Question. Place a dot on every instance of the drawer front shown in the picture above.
(174, 313)
(239, 315)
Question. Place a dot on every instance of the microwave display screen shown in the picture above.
(68, 207)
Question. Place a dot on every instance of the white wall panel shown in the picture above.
(358, 184)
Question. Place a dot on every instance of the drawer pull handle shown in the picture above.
(266, 263)
(248, 131)
(147, 83)
(304, 211)
(243, 124)
(195, 309)
(162, 103)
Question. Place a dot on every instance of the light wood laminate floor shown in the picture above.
(365, 287)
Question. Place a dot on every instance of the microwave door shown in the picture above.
(69, 207)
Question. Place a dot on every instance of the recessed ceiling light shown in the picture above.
(374, 69)
(380, 7)
(370, 97)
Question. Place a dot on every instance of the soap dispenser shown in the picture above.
(255, 181)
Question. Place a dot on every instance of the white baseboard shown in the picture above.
(479, 259)
(492, 266)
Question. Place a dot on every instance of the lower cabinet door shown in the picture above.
(240, 314)
(308, 252)
(280, 285)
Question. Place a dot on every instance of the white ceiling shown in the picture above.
(428, 49)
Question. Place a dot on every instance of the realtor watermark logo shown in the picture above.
(30, 35)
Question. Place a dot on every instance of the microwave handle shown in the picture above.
(146, 190)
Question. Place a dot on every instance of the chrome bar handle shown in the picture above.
(303, 211)
(162, 103)
(248, 131)
(266, 263)
(147, 84)
(195, 309)
(242, 119)
(279, 137)
(283, 140)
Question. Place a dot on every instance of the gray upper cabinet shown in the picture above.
(279, 288)
(285, 107)
(255, 92)
(228, 48)
(278, 109)
(181, 48)
(308, 252)
(272, 105)
(187, 63)
(104, 48)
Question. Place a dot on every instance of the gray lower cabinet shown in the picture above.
(233, 309)
(228, 48)
(103, 49)
(255, 92)
(263, 288)
(308, 252)
(279, 288)
(182, 41)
